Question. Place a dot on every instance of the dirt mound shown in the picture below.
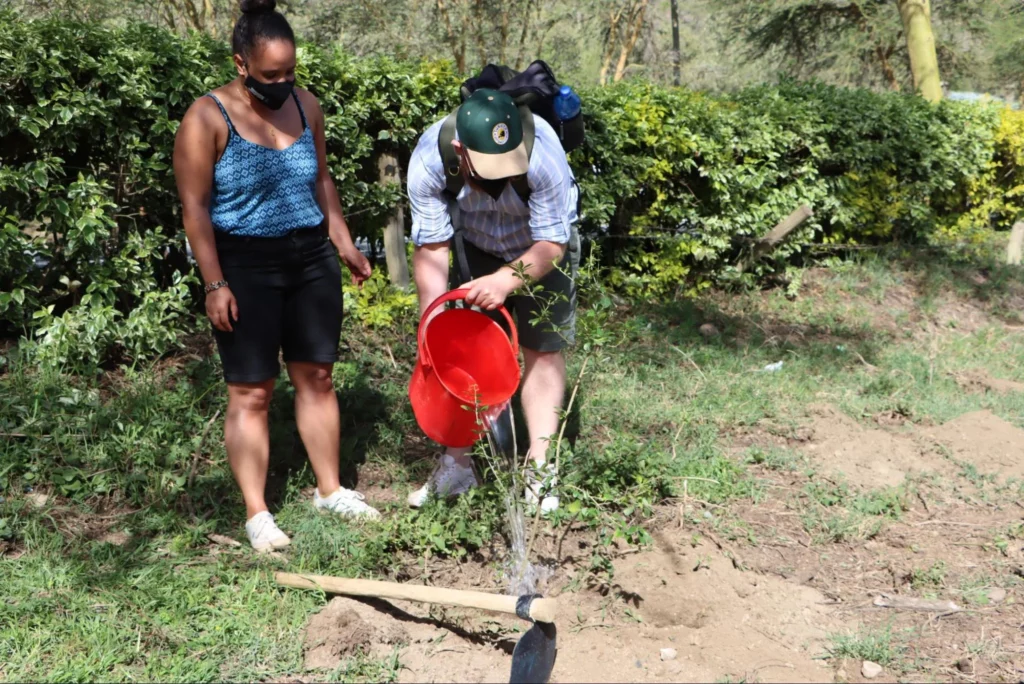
(986, 441)
(721, 621)
(867, 457)
(344, 628)
(979, 380)
(426, 642)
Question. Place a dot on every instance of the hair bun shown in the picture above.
(258, 6)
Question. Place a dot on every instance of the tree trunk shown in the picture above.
(394, 231)
(210, 17)
(478, 22)
(924, 62)
(884, 56)
(612, 41)
(503, 46)
(634, 36)
(520, 54)
(191, 15)
(458, 47)
(676, 48)
(1015, 245)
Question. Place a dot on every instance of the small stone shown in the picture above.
(38, 500)
(639, 665)
(870, 670)
(965, 666)
(996, 595)
(708, 330)
(668, 654)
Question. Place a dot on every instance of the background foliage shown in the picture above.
(676, 182)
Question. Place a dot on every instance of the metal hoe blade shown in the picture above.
(534, 655)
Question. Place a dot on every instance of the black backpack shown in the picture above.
(533, 90)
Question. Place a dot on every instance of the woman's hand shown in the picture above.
(222, 309)
(356, 262)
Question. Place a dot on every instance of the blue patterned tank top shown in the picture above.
(263, 192)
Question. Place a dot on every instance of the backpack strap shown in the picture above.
(452, 175)
(521, 184)
(453, 186)
(529, 129)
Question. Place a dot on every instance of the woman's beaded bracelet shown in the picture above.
(216, 285)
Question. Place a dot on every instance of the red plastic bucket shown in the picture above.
(466, 364)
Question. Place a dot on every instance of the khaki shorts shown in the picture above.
(558, 329)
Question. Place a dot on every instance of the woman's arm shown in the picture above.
(327, 195)
(195, 152)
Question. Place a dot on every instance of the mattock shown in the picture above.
(534, 655)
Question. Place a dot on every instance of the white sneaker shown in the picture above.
(264, 534)
(448, 479)
(347, 503)
(541, 482)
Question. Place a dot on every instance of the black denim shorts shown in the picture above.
(558, 296)
(288, 291)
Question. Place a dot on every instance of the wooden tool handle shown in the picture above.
(541, 609)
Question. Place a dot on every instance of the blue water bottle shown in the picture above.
(567, 104)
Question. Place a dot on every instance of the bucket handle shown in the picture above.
(451, 296)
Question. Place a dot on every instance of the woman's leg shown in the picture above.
(312, 333)
(319, 420)
(247, 439)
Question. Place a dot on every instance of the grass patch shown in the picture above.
(880, 646)
(659, 412)
(837, 514)
(927, 580)
(774, 458)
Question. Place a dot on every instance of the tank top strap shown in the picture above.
(302, 112)
(224, 112)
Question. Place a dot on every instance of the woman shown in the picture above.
(260, 213)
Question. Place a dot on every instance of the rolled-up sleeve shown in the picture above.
(431, 222)
(552, 192)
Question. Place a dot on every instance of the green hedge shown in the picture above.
(675, 182)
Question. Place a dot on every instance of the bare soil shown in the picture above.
(865, 456)
(755, 594)
(740, 611)
(693, 599)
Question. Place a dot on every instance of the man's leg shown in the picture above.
(547, 326)
(454, 472)
(479, 263)
(543, 394)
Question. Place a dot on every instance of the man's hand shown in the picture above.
(222, 309)
(491, 291)
(356, 263)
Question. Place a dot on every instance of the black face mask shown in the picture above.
(494, 188)
(273, 95)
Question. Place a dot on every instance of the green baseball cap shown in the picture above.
(488, 125)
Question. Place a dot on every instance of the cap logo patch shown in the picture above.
(500, 134)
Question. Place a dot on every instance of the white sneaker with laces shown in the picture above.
(541, 484)
(448, 479)
(264, 534)
(347, 503)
